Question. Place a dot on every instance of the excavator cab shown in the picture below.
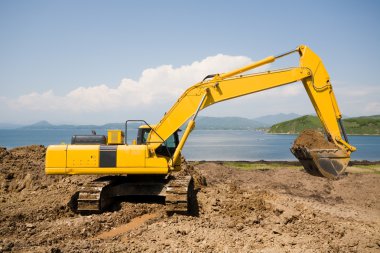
(167, 148)
(142, 134)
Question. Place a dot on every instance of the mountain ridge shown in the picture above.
(363, 125)
(203, 122)
(356, 125)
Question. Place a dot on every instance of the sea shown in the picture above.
(207, 145)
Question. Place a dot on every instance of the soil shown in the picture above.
(271, 210)
(312, 139)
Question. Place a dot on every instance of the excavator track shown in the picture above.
(93, 197)
(97, 195)
(179, 193)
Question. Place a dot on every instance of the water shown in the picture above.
(233, 145)
(227, 145)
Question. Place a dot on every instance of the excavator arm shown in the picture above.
(321, 94)
(221, 87)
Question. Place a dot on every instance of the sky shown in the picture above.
(95, 62)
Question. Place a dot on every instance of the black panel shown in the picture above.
(107, 156)
(88, 139)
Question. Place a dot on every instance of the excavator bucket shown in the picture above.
(319, 156)
(329, 163)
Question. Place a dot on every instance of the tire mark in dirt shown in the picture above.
(133, 224)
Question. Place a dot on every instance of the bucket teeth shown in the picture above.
(329, 163)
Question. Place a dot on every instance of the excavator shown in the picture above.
(147, 166)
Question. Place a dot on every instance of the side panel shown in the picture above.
(102, 159)
(107, 156)
(83, 156)
(115, 137)
(55, 159)
(154, 163)
(131, 156)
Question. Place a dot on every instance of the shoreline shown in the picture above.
(347, 134)
(261, 161)
(279, 162)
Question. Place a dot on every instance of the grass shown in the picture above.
(371, 166)
(358, 169)
(265, 165)
(259, 166)
(365, 169)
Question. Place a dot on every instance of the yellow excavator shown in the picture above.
(145, 167)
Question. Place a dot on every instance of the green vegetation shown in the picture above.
(364, 169)
(297, 125)
(363, 125)
(360, 125)
(260, 165)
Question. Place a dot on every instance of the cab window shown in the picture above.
(170, 142)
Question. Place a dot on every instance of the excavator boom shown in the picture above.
(316, 81)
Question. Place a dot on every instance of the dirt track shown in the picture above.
(274, 210)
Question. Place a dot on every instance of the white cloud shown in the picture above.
(372, 108)
(158, 88)
(357, 100)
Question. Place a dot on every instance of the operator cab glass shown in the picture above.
(165, 149)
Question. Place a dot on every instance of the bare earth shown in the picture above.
(277, 209)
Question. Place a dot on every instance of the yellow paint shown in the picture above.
(55, 171)
(115, 137)
(177, 153)
(82, 156)
(257, 64)
(84, 159)
(56, 156)
(157, 163)
(311, 72)
(131, 156)
(115, 171)
(321, 94)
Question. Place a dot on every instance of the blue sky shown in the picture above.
(69, 61)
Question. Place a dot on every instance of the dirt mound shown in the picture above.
(272, 210)
(189, 169)
(312, 139)
(21, 168)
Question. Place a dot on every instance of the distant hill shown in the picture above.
(359, 125)
(46, 125)
(270, 120)
(43, 124)
(202, 123)
(363, 125)
(227, 123)
(296, 125)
